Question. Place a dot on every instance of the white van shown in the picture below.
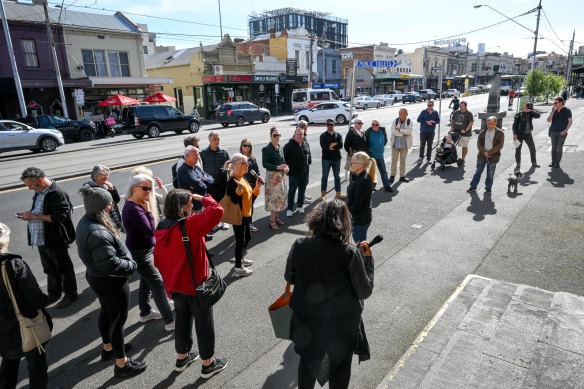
(307, 98)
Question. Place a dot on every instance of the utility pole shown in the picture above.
(569, 67)
(220, 25)
(17, 82)
(323, 63)
(310, 65)
(536, 33)
(55, 60)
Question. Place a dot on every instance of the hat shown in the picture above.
(95, 199)
(330, 121)
(529, 105)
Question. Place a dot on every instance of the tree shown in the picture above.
(539, 84)
(553, 85)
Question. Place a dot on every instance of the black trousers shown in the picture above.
(187, 308)
(528, 138)
(59, 269)
(426, 140)
(242, 234)
(37, 371)
(114, 297)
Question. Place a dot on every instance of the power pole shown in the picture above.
(55, 60)
(220, 25)
(536, 33)
(310, 67)
(569, 67)
(17, 82)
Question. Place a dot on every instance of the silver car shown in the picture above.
(364, 102)
(16, 136)
(384, 99)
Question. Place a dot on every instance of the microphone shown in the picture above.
(375, 240)
(253, 173)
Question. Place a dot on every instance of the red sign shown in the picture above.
(154, 88)
(240, 78)
(208, 79)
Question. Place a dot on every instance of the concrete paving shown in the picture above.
(496, 334)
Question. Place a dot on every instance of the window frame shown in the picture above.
(29, 55)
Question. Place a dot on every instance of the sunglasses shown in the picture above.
(244, 163)
(375, 125)
(358, 122)
(330, 125)
(276, 136)
(146, 188)
(245, 145)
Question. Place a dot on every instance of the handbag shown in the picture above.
(33, 332)
(211, 290)
(231, 211)
(281, 315)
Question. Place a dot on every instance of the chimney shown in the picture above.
(238, 40)
(272, 33)
(284, 33)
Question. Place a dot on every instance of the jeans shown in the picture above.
(242, 234)
(187, 308)
(59, 269)
(557, 146)
(151, 285)
(326, 166)
(299, 183)
(528, 138)
(401, 154)
(490, 174)
(382, 172)
(37, 371)
(360, 233)
(114, 298)
(426, 140)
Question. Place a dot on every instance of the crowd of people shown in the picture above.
(163, 236)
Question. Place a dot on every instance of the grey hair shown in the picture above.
(213, 133)
(4, 237)
(97, 170)
(302, 124)
(188, 149)
(234, 162)
(137, 179)
(494, 118)
(152, 198)
(376, 120)
(32, 172)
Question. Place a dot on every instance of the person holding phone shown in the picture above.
(561, 121)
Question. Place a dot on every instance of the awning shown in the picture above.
(52, 83)
(129, 82)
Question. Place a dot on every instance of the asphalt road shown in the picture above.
(435, 234)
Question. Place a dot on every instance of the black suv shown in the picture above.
(77, 129)
(152, 120)
(241, 112)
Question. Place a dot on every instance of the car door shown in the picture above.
(18, 135)
(4, 137)
(163, 118)
(62, 124)
(254, 112)
(318, 114)
(176, 118)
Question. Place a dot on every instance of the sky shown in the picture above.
(402, 24)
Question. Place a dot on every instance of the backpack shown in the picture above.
(407, 121)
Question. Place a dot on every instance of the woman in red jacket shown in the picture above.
(170, 258)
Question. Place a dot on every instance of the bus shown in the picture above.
(511, 82)
(307, 98)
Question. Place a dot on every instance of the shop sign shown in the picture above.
(284, 78)
(209, 79)
(79, 96)
(265, 78)
(240, 78)
(291, 66)
(326, 85)
(154, 88)
(404, 76)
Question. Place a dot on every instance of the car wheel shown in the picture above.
(395, 100)
(153, 131)
(225, 124)
(377, 106)
(303, 118)
(85, 134)
(239, 121)
(265, 118)
(137, 135)
(194, 127)
(365, 107)
(178, 131)
(341, 119)
(48, 144)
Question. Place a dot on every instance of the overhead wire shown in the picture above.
(554, 31)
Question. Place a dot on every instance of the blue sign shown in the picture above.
(376, 64)
(326, 85)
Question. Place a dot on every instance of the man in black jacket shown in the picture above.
(303, 125)
(331, 143)
(50, 228)
(297, 157)
(522, 129)
(214, 159)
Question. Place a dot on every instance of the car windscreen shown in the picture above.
(224, 107)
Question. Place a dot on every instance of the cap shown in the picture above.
(330, 121)
(95, 199)
(529, 105)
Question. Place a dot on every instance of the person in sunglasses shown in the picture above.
(276, 169)
(246, 148)
(140, 225)
(331, 143)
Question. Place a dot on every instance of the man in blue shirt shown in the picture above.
(561, 119)
(427, 119)
(377, 139)
(191, 177)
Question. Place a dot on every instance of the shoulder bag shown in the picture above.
(211, 290)
(231, 211)
(33, 332)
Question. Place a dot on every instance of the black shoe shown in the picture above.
(388, 189)
(404, 179)
(217, 366)
(130, 368)
(66, 301)
(487, 191)
(182, 364)
(53, 298)
(208, 238)
(552, 164)
(107, 355)
(557, 165)
(471, 190)
(391, 179)
(535, 164)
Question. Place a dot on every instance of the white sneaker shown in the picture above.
(246, 262)
(153, 315)
(289, 213)
(242, 272)
(224, 226)
(169, 326)
(300, 210)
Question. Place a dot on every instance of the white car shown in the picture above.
(16, 136)
(396, 95)
(474, 90)
(365, 102)
(384, 99)
(452, 92)
(338, 110)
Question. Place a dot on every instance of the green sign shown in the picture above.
(578, 60)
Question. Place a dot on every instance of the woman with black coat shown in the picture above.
(362, 184)
(355, 140)
(109, 264)
(330, 278)
(29, 298)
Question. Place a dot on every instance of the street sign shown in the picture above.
(376, 64)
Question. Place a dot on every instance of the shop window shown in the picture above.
(198, 95)
(29, 51)
(178, 95)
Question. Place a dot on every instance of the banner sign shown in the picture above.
(376, 64)
(453, 41)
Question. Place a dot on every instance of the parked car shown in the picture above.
(427, 94)
(395, 95)
(15, 136)
(474, 90)
(411, 97)
(320, 113)
(452, 92)
(152, 120)
(365, 102)
(384, 99)
(76, 129)
(239, 113)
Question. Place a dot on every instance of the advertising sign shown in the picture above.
(79, 96)
(453, 41)
(376, 64)
(291, 67)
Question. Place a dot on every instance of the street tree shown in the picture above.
(554, 84)
(535, 83)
